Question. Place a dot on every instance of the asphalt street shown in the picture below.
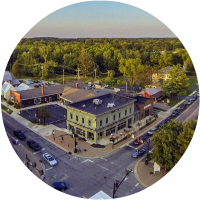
(85, 177)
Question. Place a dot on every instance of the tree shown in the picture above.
(86, 63)
(176, 83)
(43, 112)
(171, 141)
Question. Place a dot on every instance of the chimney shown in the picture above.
(76, 85)
(42, 89)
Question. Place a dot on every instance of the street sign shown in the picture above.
(156, 168)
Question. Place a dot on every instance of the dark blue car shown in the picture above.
(138, 153)
(61, 186)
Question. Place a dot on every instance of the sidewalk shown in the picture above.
(144, 173)
(68, 143)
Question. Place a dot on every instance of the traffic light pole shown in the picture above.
(117, 183)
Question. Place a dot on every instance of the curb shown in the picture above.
(136, 174)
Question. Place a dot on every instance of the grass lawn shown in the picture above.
(9, 111)
(193, 82)
(173, 101)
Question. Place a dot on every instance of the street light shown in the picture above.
(74, 134)
(118, 183)
(148, 142)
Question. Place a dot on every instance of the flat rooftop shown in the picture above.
(89, 107)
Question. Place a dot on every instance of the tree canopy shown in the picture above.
(43, 112)
(171, 141)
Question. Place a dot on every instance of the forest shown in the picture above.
(116, 55)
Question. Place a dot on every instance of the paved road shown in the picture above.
(189, 112)
(85, 177)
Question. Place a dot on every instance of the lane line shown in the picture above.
(136, 184)
(104, 159)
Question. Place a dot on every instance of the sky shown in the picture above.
(99, 19)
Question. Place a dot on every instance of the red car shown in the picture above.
(139, 140)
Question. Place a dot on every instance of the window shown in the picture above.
(106, 120)
(89, 122)
(113, 117)
(39, 100)
(76, 118)
(35, 101)
(100, 122)
(130, 110)
(119, 115)
(121, 126)
(80, 132)
(110, 131)
(71, 116)
(58, 96)
(125, 112)
(83, 120)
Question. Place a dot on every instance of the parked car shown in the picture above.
(61, 186)
(197, 94)
(36, 86)
(150, 132)
(105, 86)
(19, 134)
(194, 98)
(190, 101)
(12, 139)
(50, 159)
(139, 140)
(183, 107)
(138, 153)
(175, 113)
(34, 145)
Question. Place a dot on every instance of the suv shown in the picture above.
(19, 134)
(33, 145)
(61, 186)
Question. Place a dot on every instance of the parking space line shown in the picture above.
(49, 168)
(104, 159)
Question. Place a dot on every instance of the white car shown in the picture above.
(50, 159)
(150, 132)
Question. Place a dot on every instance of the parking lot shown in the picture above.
(58, 115)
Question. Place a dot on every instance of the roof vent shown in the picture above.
(111, 105)
(83, 105)
(97, 101)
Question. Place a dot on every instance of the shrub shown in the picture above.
(17, 106)
(10, 102)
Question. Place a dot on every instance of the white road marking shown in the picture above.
(130, 146)
(87, 161)
(104, 159)
(49, 168)
(125, 179)
(39, 151)
(104, 168)
(71, 188)
(136, 184)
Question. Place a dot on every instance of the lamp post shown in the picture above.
(75, 142)
(148, 142)
(118, 183)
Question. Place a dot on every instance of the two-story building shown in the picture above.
(99, 117)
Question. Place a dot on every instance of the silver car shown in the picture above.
(50, 159)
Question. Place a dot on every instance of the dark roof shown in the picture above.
(136, 88)
(37, 92)
(90, 107)
(80, 84)
(10, 77)
(141, 100)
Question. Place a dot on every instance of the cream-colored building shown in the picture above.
(96, 119)
(161, 75)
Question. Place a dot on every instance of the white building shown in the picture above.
(5, 91)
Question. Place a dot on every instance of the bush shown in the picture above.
(17, 106)
(10, 102)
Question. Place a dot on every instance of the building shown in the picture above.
(10, 78)
(161, 75)
(100, 195)
(96, 118)
(5, 91)
(71, 95)
(36, 96)
(154, 93)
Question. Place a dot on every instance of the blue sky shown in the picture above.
(99, 19)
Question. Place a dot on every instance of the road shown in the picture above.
(85, 177)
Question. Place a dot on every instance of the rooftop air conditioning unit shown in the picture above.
(110, 105)
(97, 101)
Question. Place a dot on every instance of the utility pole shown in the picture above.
(78, 73)
(63, 76)
(95, 73)
(42, 68)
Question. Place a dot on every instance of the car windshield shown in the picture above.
(62, 184)
(50, 158)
